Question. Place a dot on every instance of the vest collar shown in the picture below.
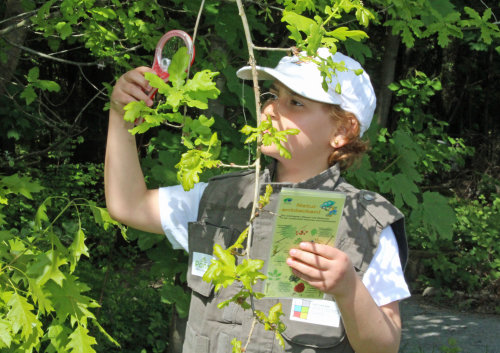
(327, 179)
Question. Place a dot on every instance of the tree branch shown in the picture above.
(46, 56)
(13, 27)
(272, 49)
(256, 90)
(25, 14)
(232, 165)
(69, 62)
(250, 334)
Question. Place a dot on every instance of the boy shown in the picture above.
(363, 272)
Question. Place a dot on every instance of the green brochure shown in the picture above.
(303, 215)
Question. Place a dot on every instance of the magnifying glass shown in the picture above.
(167, 46)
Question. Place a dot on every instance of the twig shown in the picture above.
(13, 27)
(79, 115)
(198, 21)
(66, 51)
(47, 121)
(250, 334)
(272, 49)
(18, 16)
(101, 296)
(256, 90)
(261, 5)
(89, 82)
(485, 5)
(232, 165)
(46, 56)
(98, 63)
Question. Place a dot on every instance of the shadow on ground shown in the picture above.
(427, 328)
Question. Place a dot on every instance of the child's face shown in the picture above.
(312, 146)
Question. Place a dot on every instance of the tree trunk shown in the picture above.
(387, 77)
(16, 36)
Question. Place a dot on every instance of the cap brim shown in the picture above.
(267, 73)
(263, 73)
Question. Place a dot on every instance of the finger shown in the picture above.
(134, 92)
(303, 276)
(318, 280)
(323, 250)
(136, 77)
(309, 258)
(305, 271)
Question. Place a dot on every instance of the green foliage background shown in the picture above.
(436, 153)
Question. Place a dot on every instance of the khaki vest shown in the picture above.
(224, 213)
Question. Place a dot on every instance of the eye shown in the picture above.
(267, 97)
(296, 103)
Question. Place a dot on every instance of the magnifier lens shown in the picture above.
(171, 47)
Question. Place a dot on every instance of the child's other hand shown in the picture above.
(323, 267)
(131, 86)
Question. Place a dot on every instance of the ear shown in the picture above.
(344, 133)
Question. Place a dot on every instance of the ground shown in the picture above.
(427, 328)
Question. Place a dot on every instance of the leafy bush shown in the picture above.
(470, 260)
(403, 163)
(42, 301)
(454, 240)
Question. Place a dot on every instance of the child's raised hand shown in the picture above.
(323, 267)
(131, 86)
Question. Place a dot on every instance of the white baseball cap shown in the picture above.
(304, 78)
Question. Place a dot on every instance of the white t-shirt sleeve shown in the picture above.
(177, 209)
(384, 278)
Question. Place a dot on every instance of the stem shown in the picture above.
(197, 22)
(68, 205)
(97, 63)
(272, 49)
(46, 56)
(23, 23)
(10, 267)
(250, 333)
(232, 165)
(256, 90)
(26, 14)
(391, 164)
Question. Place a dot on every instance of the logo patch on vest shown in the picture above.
(200, 263)
(314, 311)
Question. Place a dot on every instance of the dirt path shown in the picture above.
(427, 328)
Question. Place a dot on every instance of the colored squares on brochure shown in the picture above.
(301, 308)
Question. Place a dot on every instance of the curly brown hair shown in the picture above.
(351, 152)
